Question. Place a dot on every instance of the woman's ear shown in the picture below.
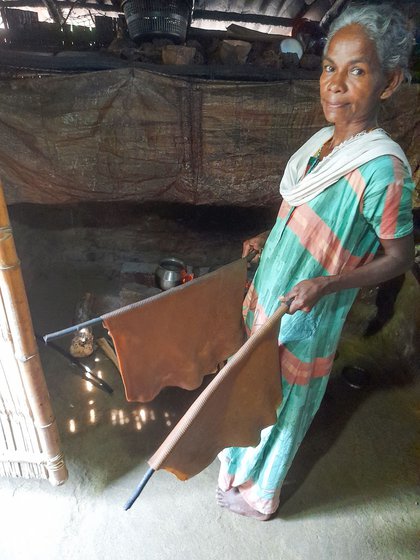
(393, 83)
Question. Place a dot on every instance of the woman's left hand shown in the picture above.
(306, 294)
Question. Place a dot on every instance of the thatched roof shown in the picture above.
(266, 16)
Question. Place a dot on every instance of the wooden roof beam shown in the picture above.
(214, 15)
(61, 4)
(332, 13)
(55, 11)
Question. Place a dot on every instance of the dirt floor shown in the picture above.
(353, 489)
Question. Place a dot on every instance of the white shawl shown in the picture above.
(349, 156)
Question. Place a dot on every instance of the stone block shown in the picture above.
(178, 54)
(290, 60)
(233, 51)
(310, 62)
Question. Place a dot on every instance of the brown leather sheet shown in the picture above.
(177, 337)
(240, 401)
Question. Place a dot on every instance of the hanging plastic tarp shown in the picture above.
(136, 135)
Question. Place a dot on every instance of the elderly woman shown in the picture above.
(346, 192)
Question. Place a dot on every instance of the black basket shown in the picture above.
(147, 19)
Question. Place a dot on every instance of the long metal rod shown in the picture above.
(139, 488)
(97, 320)
(84, 371)
(69, 330)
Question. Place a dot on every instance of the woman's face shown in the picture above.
(352, 80)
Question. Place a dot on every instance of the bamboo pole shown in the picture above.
(26, 354)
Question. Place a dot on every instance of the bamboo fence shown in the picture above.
(29, 440)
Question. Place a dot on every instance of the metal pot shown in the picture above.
(170, 273)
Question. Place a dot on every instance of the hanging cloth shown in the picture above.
(181, 335)
(239, 402)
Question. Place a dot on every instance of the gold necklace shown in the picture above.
(343, 143)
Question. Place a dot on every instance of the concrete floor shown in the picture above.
(352, 491)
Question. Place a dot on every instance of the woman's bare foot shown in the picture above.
(233, 501)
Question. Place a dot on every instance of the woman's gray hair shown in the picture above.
(387, 27)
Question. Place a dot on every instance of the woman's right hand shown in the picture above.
(255, 244)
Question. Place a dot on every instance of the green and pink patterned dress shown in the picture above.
(337, 231)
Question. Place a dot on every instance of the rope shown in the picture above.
(9, 266)
(5, 233)
(55, 463)
(24, 359)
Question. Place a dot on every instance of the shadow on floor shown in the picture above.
(340, 405)
(104, 437)
(390, 356)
